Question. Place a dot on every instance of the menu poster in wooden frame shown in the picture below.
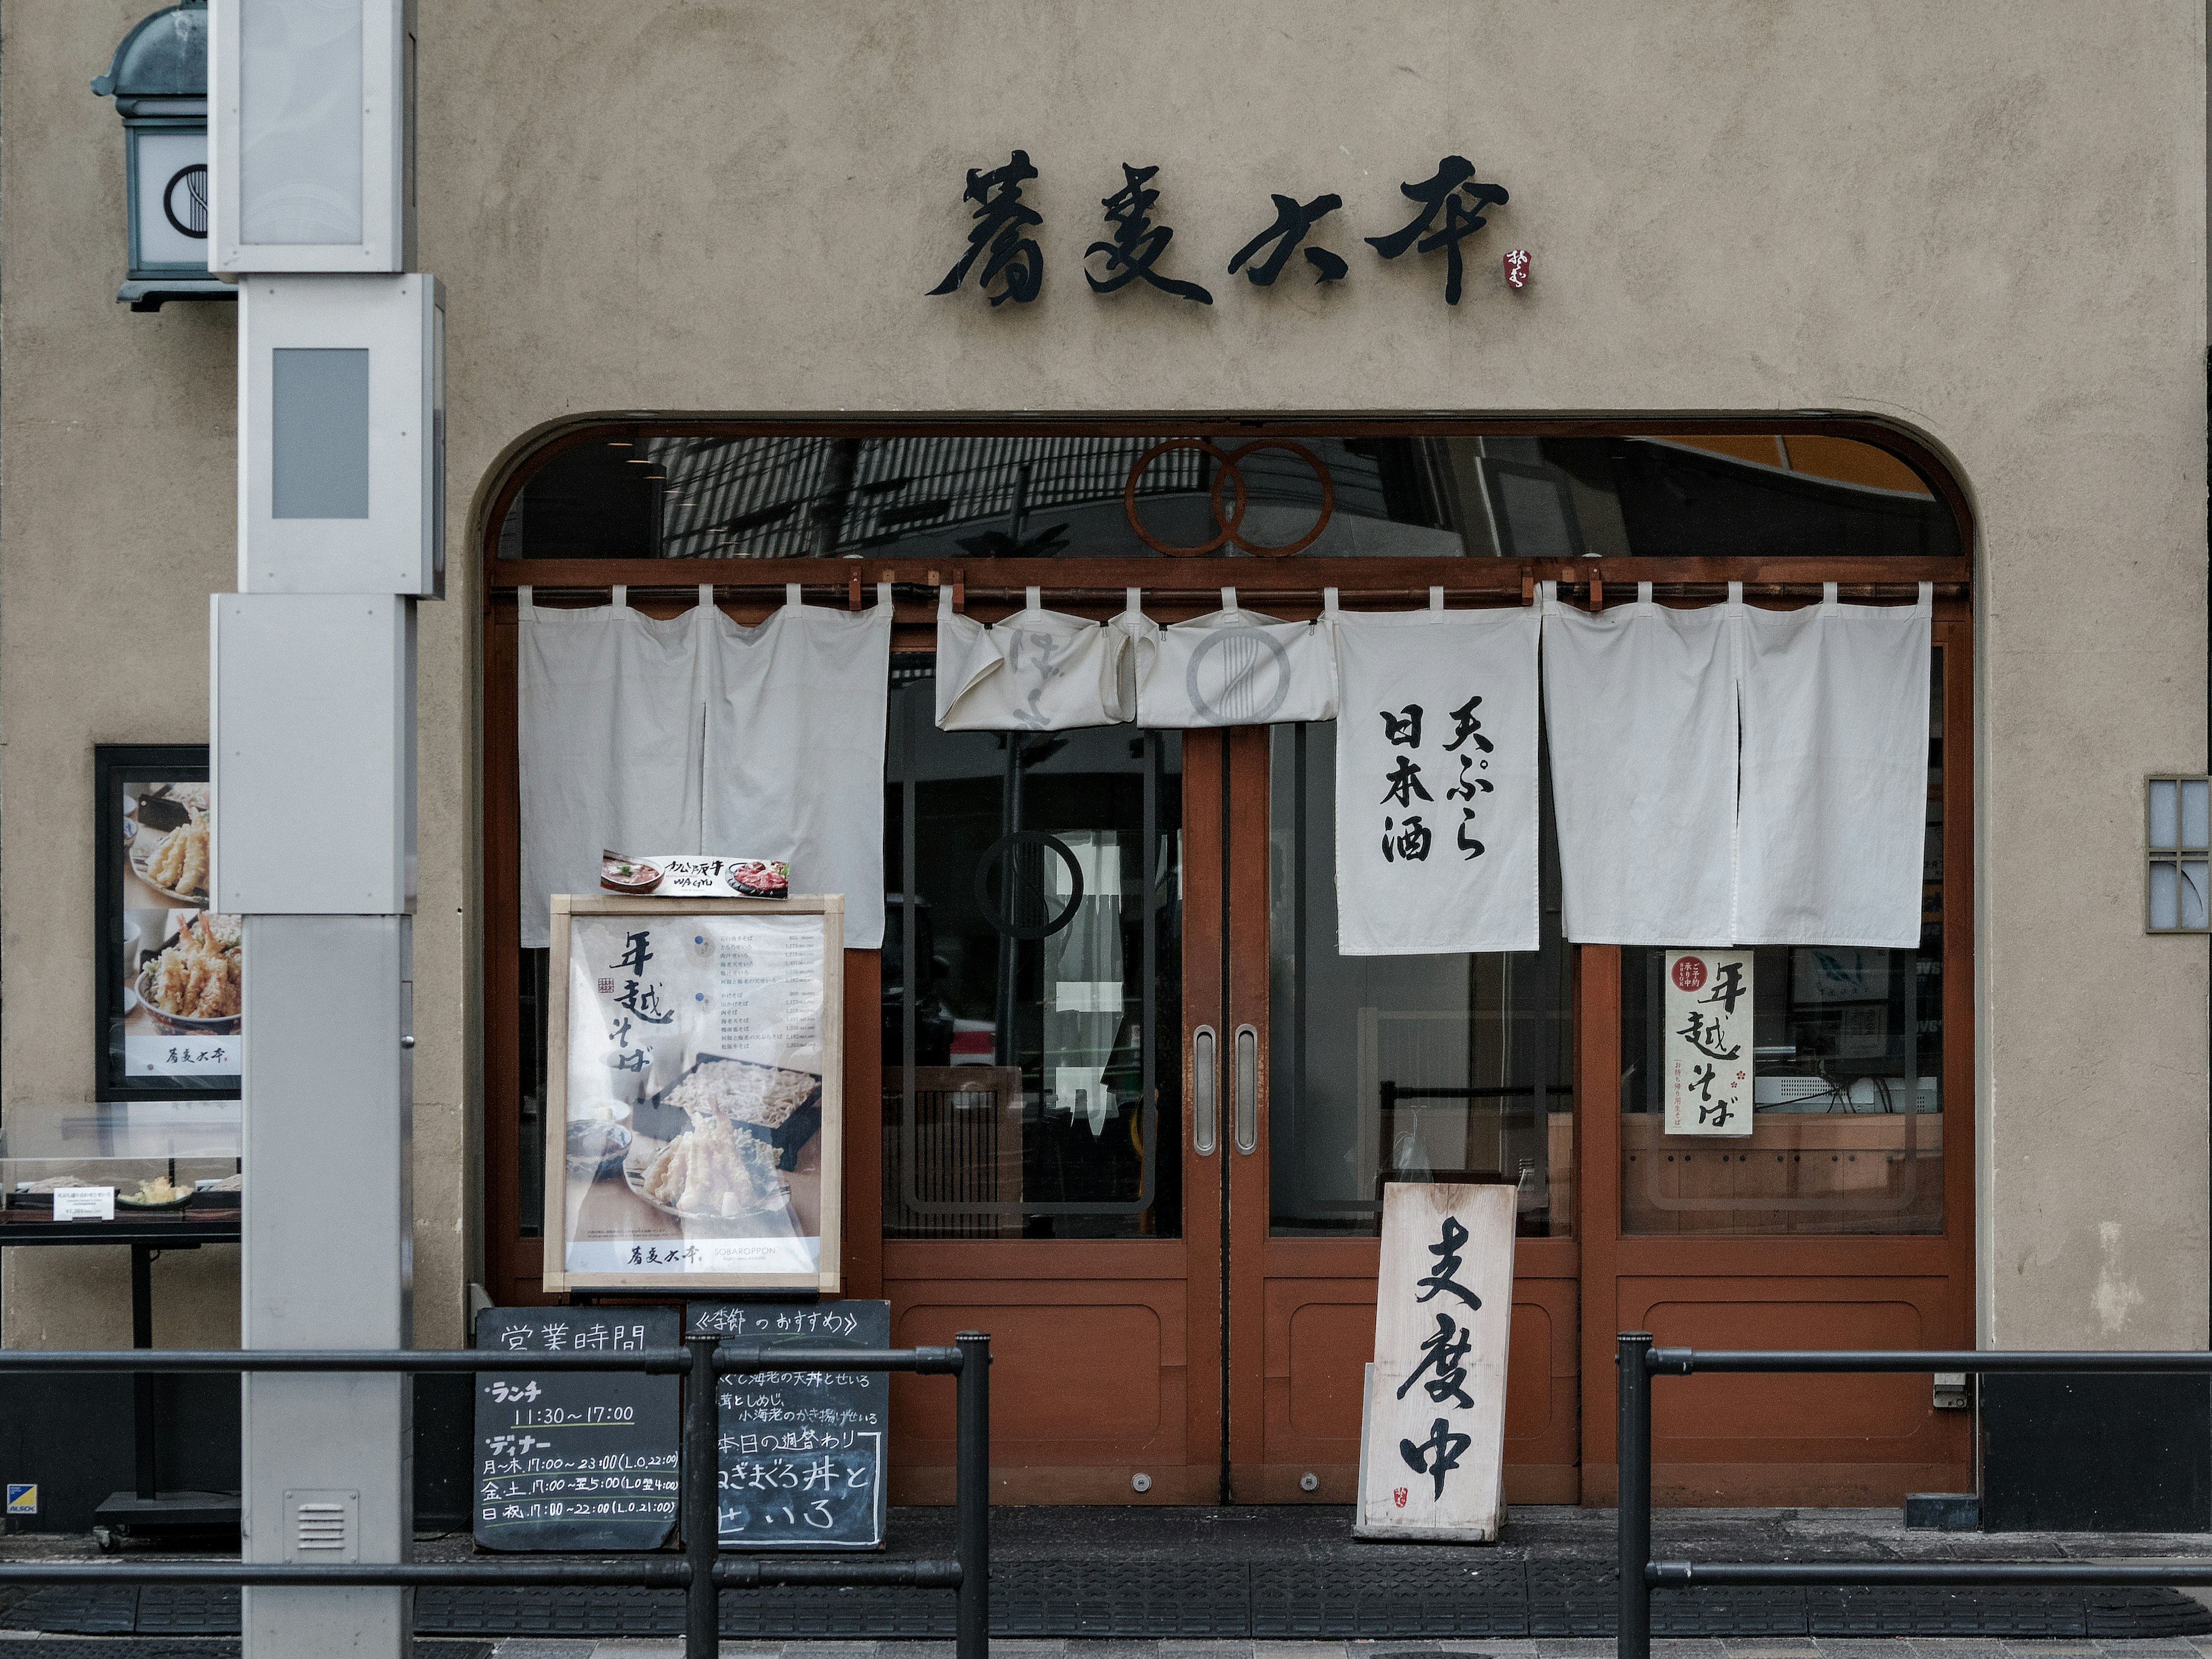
(695, 1095)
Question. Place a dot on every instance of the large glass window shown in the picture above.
(1445, 1068)
(1847, 1100)
(1032, 1080)
(631, 493)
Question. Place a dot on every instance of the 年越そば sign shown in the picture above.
(1432, 1445)
(1706, 1062)
(696, 1089)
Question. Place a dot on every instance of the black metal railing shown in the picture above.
(1639, 1363)
(702, 1573)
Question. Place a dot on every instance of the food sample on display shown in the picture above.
(713, 1172)
(620, 875)
(758, 878)
(160, 1190)
(197, 976)
(179, 864)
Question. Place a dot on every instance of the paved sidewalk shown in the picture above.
(2199, 1647)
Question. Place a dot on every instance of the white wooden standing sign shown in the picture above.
(1432, 1444)
(1707, 1056)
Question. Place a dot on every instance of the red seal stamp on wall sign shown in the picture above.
(1517, 268)
(1690, 973)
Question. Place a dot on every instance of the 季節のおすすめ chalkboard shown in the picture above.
(802, 1451)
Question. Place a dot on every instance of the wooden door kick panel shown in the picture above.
(1096, 1370)
(1078, 1483)
(1847, 1426)
(1780, 1486)
(1318, 1335)
(1339, 1483)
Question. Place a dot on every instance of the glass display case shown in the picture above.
(169, 1164)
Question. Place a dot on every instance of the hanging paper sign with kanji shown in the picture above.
(1436, 781)
(1707, 1061)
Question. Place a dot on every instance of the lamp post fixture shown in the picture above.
(158, 78)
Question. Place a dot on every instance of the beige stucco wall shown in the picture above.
(1983, 221)
(118, 461)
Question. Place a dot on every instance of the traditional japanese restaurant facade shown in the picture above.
(1756, 319)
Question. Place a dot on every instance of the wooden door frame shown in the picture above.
(1609, 1256)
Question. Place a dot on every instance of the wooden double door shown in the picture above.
(1138, 1115)
(1148, 1112)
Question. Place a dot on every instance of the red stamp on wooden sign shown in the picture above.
(1516, 268)
(1398, 1496)
(1690, 973)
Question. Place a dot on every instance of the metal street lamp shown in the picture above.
(158, 78)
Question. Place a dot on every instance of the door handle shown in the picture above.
(1205, 1102)
(1248, 1090)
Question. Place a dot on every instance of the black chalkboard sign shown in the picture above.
(802, 1452)
(575, 1460)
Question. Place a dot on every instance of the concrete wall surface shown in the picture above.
(1983, 222)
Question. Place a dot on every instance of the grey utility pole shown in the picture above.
(340, 498)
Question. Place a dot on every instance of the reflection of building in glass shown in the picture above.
(948, 498)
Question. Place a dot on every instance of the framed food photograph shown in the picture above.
(169, 1014)
(696, 1051)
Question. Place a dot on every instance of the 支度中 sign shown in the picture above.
(1432, 1444)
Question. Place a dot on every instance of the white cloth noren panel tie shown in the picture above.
(1230, 667)
(1038, 670)
(794, 749)
(1833, 819)
(610, 723)
(1436, 781)
(1640, 713)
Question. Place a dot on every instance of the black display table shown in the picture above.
(147, 1511)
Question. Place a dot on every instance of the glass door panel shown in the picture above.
(1030, 1089)
(1401, 1068)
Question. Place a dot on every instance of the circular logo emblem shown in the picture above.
(1013, 888)
(1246, 676)
(1227, 515)
(185, 201)
(1690, 973)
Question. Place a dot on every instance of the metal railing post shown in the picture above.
(699, 1482)
(1633, 1457)
(971, 1459)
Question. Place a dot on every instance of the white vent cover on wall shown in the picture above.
(325, 1525)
